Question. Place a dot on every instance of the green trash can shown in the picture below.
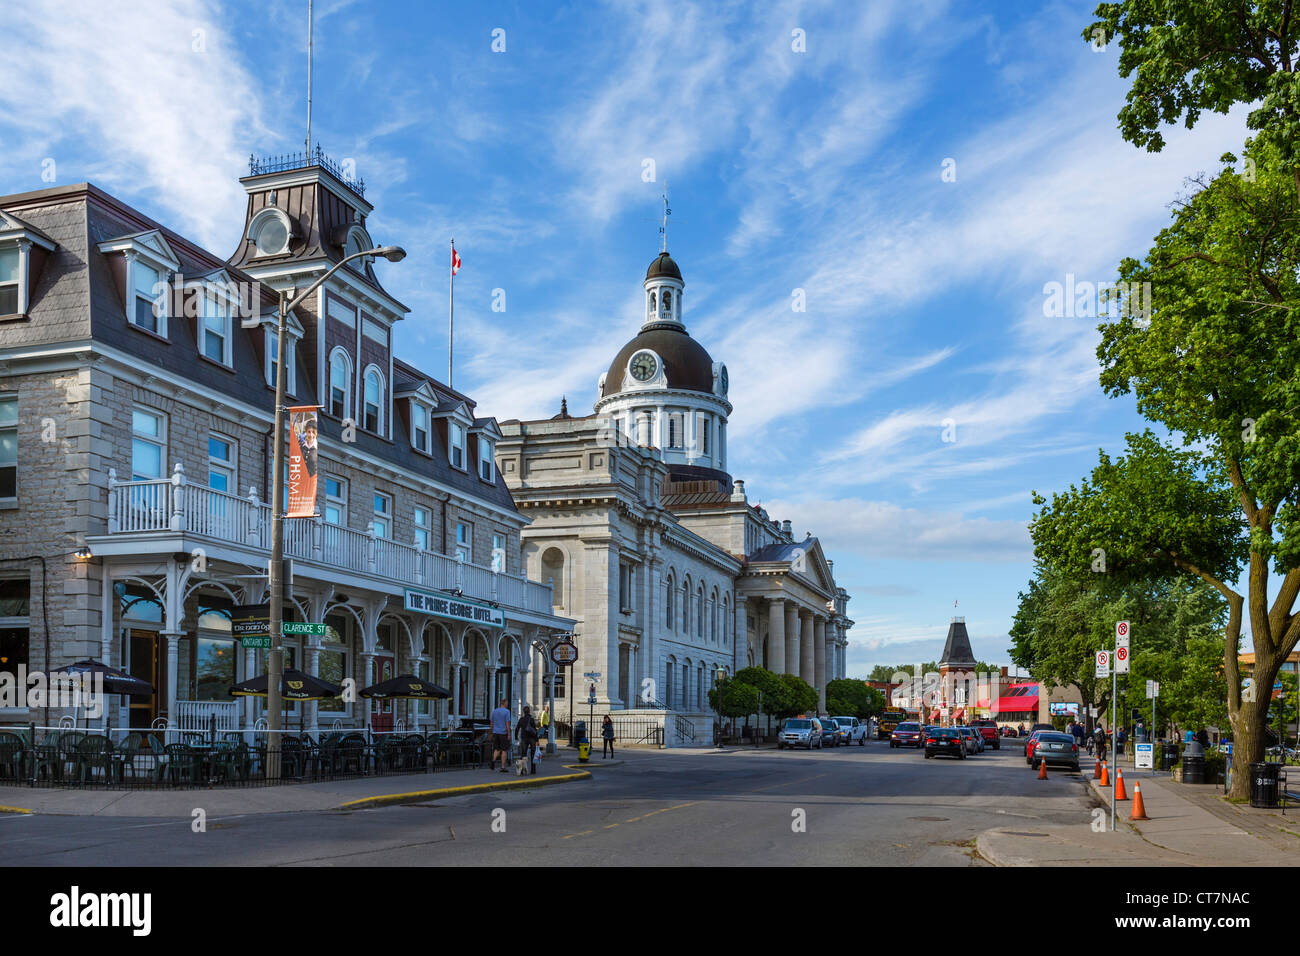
(584, 751)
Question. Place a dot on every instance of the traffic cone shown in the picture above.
(1096, 769)
(1042, 769)
(1139, 808)
(1105, 775)
(1120, 792)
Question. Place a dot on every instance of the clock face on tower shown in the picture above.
(643, 366)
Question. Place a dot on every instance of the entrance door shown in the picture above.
(146, 664)
(382, 713)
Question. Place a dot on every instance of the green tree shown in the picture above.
(852, 698)
(1189, 56)
(799, 697)
(738, 699)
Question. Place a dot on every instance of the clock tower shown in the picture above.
(664, 390)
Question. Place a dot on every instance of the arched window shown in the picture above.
(668, 304)
(699, 612)
(653, 304)
(669, 604)
(726, 621)
(553, 571)
(372, 415)
(340, 384)
(686, 606)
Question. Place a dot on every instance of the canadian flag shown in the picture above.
(455, 261)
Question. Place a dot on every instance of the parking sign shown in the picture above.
(1121, 660)
(1103, 663)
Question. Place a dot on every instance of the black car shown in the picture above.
(1056, 749)
(830, 732)
(944, 740)
(907, 734)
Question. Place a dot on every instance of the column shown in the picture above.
(807, 659)
(454, 671)
(250, 703)
(739, 636)
(776, 636)
(173, 652)
(313, 664)
(791, 638)
(367, 678)
(819, 659)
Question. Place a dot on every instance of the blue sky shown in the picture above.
(818, 170)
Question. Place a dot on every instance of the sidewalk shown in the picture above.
(1183, 831)
(351, 794)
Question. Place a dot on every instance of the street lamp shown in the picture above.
(275, 659)
(721, 676)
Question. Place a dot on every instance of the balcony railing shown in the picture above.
(173, 505)
(344, 172)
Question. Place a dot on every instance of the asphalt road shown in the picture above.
(858, 806)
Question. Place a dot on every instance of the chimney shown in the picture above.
(738, 490)
(785, 526)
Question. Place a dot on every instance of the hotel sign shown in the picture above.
(457, 609)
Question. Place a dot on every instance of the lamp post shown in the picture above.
(275, 573)
(721, 679)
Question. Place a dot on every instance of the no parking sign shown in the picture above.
(1103, 664)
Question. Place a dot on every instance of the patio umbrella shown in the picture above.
(114, 681)
(294, 685)
(405, 686)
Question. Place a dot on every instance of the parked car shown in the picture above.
(974, 741)
(1056, 748)
(830, 732)
(855, 732)
(988, 729)
(1031, 743)
(906, 734)
(800, 732)
(944, 740)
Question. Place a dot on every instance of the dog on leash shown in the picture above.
(521, 766)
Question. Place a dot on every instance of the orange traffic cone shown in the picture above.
(1042, 769)
(1120, 792)
(1105, 775)
(1096, 769)
(1139, 808)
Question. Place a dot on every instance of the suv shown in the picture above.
(854, 730)
(907, 734)
(989, 731)
(800, 732)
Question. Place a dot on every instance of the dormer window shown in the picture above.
(372, 415)
(456, 444)
(420, 426)
(9, 281)
(149, 303)
(270, 231)
(215, 321)
(485, 461)
(340, 397)
(272, 353)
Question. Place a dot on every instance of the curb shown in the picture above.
(983, 848)
(520, 783)
(5, 809)
(591, 766)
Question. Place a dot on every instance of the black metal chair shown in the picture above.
(12, 757)
(95, 753)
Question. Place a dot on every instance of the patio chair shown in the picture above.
(69, 742)
(95, 752)
(183, 764)
(12, 753)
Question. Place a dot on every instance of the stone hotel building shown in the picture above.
(136, 413)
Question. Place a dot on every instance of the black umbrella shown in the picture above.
(294, 685)
(115, 681)
(405, 685)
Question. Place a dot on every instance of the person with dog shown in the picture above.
(607, 735)
(501, 735)
(526, 734)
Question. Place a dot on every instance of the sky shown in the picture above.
(868, 203)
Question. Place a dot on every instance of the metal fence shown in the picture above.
(132, 760)
(636, 729)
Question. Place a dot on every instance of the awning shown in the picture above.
(1018, 705)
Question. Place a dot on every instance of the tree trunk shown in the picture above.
(1248, 725)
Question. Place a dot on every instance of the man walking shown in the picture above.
(501, 735)
(526, 731)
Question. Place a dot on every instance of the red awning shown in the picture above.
(1018, 705)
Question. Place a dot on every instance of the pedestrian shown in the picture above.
(1203, 738)
(526, 733)
(607, 735)
(500, 735)
(875, 729)
(1020, 731)
(1141, 734)
(1120, 736)
(1099, 741)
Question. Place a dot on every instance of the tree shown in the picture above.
(1188, 56)
(738, 699)
(852, 698)
(799, 697)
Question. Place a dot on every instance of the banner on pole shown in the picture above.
(302, 461)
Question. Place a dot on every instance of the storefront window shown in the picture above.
(214, 668)
(331, 667)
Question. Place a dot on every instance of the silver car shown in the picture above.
(800, 732)
(974, 742)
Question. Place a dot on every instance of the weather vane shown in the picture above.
(663, 229)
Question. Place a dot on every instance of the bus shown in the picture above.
(888, 720)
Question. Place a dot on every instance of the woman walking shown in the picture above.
(607, 735)
(526, 731)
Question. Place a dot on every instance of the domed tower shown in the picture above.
(663, 389)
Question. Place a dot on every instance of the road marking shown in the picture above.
(643, 816)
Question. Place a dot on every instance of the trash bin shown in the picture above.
(584, 751)
(579, 731)
(1168, 755)
(1193, 763)
(1263, 785)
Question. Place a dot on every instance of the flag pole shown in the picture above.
(451, 307)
